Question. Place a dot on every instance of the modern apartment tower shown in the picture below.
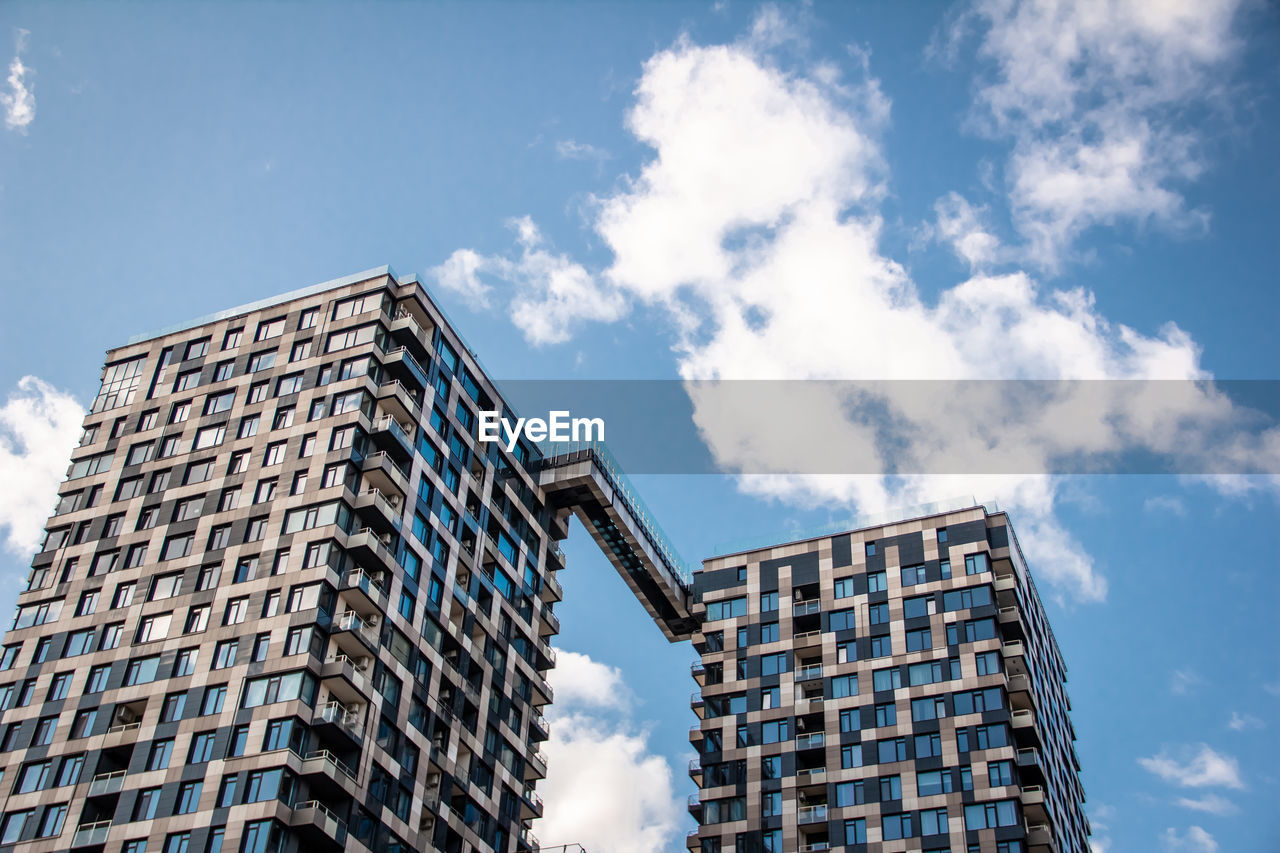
(288, 601)
(893, 688)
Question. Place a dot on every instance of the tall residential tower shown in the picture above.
(894, 688)
(287, 600)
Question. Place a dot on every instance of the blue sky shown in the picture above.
(655, 190)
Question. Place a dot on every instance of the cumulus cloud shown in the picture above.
(38, 427)
(1212, 803)
(19, 102)
(604, 789)
(754, 229)
(1192, 768)
(459, 274)
(1196, 840)
(1092, 96)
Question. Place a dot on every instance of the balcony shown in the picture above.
(367, 546)
(529, 842)
(363, 591)
(694, 806)
(399, 402)
(329, 773)
(384, 474)
(539, 729)
(695, 768)
(810, 672)
(813, 740)
(1033, 804)
(377, 511)
(400, 364)
(107, 783)
(317, 823)
(543, 694)
(548, 653)
(337, 719)
(1021, 696)
(121, 733)
(552, 591)
(388, 435)
(811, 776)
(356, 636)
(345, 679)
(403, 326)
(550, 623)
(805, 639)
(1025, 728)
(805, 608)
(691, 841)
(698, 704)
(535, 766)
(814, 846)
(811, 814)
(532, 803)
(1015, 657)
(91, 834)
(696, 735)
(1040, 838)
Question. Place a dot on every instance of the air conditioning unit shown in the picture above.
(372, 621)
(433, 779)
(362, 663)
(354, 710)
(127, 716)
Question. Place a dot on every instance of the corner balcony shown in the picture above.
(377, 511)
(345, 679)
(400, 364)
(1026, 730)
(695, 768)
(531, 802)
(1021, 696)
(1033, 807)
(1015, 657)
(327, 774)
(337, 719)
(539, 729)
(399, 402)
(699, 672)
(1040, 838)
(388, 435)
(403, 326)
(316, 823)
(691, 841)
(366, 546)
(694, 806)
(355, 635)
(698, 704)
(552, 591)
(535, 766)
(384, 474)
(363, 591)
(528, 842)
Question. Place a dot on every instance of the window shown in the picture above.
(239, 462)
(976, 564)
(301, 350)
(248, 426)
(262, 361)
(219, 537)
(1000, 773)
(201, 747)
(844, 587)
(111, 636)
(878, 614)
(180, 412)
(185, 662)
(773, 664)
(886, 679)
(227, 792)
(140, 453)
(173, 707)
(178, 842)
(889, 751)
(886, 715)
(977, 701)
(224, 654)
(987, 663)
(844, 685)
(308, 318)
(870, 549)
(141, 670)
(129, 487)
(768, 601)
(919, 640)
(135, 556)
(217, 403)
(278, 688)
(283, 418)
(933, 782)
(198, 472)
(290, 384)
(256, 530)
(274, 454)
(214, 697)
(990, 815)
(189, 508)
(186, 380)
(933, 822)
(268, 329)
(224, 371)
(928, 708)
(981, 737)
(236, 610)
(161, 751)
(90, 465)
(841, 620)
(145, 806)
(877, 582)
(239, 739)
(33, 777)
(913, 575)
(881, 646)
(307, 448)
(51, 824)
(265, 491)
(97, 679)
(154, 627)
(159, 482)
(896, 826)
(45, 727)
(148, 518)
(855, 831)
(82, 723)
(197, 619)
(928, 745)
(88, 603)
(165, 586)
(258, 392)
(963, 599)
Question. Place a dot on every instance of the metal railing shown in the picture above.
(556, 454)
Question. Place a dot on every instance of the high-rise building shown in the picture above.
(288, 600)
(893, 688)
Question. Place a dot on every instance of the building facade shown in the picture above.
(286, 600)
(895, 688)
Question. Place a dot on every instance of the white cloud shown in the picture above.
(1244, 722)
(1212, 803)
(571, 149)
(754, 229)
(579, 680)
(1092, 95)
(604, 788)
(460, 274)
(1196, 769)
(39, 425)
(19, 102)
(1183, 681)
(1195, 841)
(1165, 503)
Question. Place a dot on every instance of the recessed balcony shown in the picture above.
(390, 436)
(91, 834)
(336, 719)
(403, 366)
(404, 327)
(368, 547)
(107, 783)
(355, 635)
(813, 740)
(384, 474)
(811, 814)
(399, 402)
(345, 678)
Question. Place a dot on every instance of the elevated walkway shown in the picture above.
(585, 478)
